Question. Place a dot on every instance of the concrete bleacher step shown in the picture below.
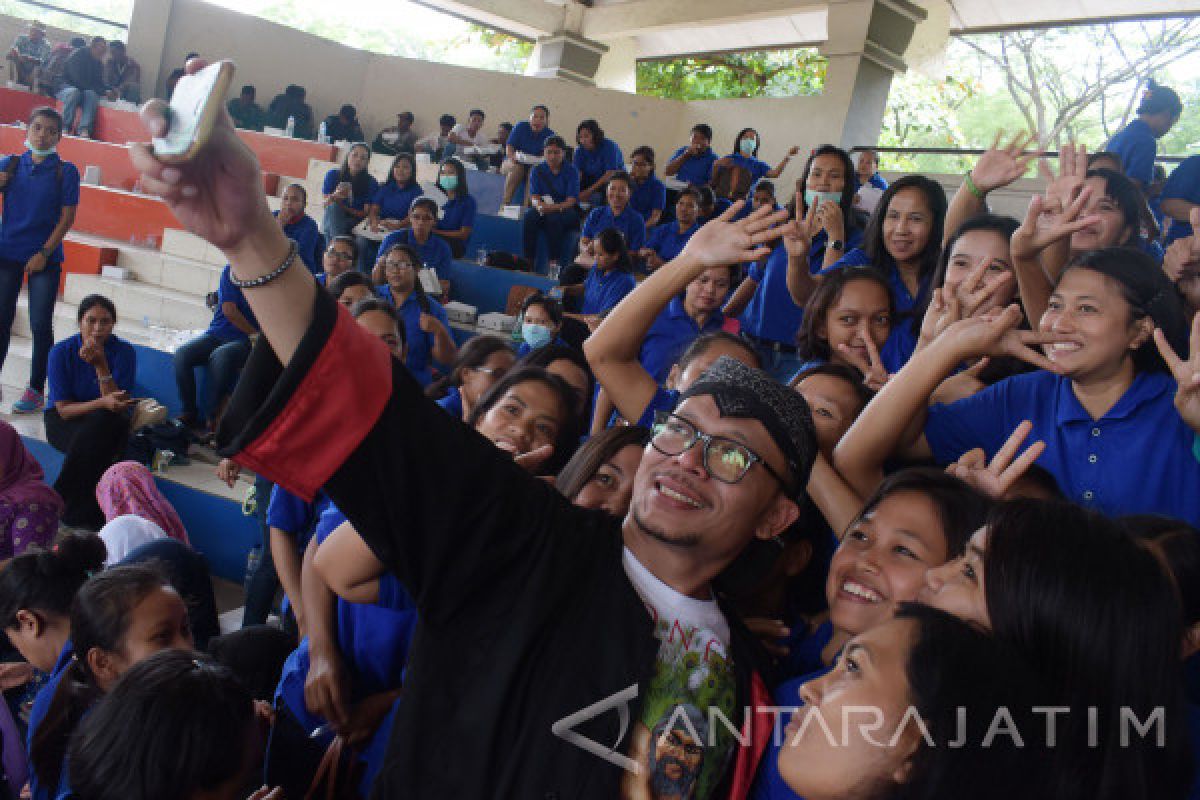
(143, 301)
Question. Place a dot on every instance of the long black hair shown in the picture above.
(1097, 616)
(1149, 293)
(380, 272)
(100, 618)
(460, 171)
(592, 455)
(474, 352)
(568, 432)
(961, 509)
(594, 128)
(737, 142)
(935, 198)
(851, 217)
(176, 724)
(1158, 99)
(412, 162)
(613, 241)
(1129, 200)
(360, 184)
(810, 346)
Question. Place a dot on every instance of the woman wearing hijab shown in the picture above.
(135, 511)
(29, 509)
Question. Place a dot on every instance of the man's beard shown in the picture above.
(678, 540)
(682, 786)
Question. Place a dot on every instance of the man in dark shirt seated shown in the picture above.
(343, 126)
(83, 86)
(244, 111)
(399, 138)
(291, 104)
(122, 74)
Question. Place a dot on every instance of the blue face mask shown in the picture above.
(747, 146)
(536, 335)
(812, 197)
(448, 183)
(40, 153)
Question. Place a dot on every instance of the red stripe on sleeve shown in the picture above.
(757, 729)
(333, 409)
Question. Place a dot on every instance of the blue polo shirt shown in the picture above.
(902, 340)
(771, 314)
(878, 182)
(697, 170)
(543, 181)
(648, 197)
(667, 240)
(334, 176)
(1184, 184)
(457, 212)
(394, 200)
(373, 641)
(452, 403)
(670, 334)
(434, 253)
(37, 714)
(220, 326)
(1137, 459)
(769, 784)
(594, 163)
(420, 343)
(307, 236)
(73, 380)
(1137, 148)
(526, 140)
(292, 515)
(629, 222)
(757, 169)
(33, 205)
(603, 290)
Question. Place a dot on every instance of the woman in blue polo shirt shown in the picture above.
(609, 279)
(1137, 144)
(388, 207)
(866, 165)
(41, 193)
(524, 146)
(745, 156)
(347, 190)
(427, 330)
(666, 241)
(616, 214)
(689, 315)
(824, 202)
(554, 200)
(1180, 195)
(541, 322)
(299, 226)
(693, 163)
(597, 158)
(222, 349)
(1102, 393)
(458, 213)
(433, 250)
(649, 196)
(91, 379)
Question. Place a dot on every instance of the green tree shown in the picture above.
(772, 73)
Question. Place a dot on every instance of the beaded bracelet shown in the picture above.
(263, 280)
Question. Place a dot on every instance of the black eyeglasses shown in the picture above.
(339, 255)
(725, 460)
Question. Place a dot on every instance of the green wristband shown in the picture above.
(973, 189)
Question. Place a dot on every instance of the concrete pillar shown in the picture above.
(618, 67)
(567, 56)
(147, 40)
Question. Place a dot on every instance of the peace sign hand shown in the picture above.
(798, 234)
(1186, 374)
(875, 375)
(997, 478)
(1003, 165)
(973, 291)
(1072, 171)
(1038, 232)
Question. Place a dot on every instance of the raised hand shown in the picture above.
(1003, 164)
(973, 292)
(875, 375)
(218, 194)
(830, 218)
(998, 334)
(798, 234)
(1183, 256)
(1061, 189)
(1186, 373)
(1006, 468)
(1040, 230)
(725, 241)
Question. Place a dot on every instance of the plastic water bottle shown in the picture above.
(253, 559)
(323, 133)
(290, 130)
(481, 257)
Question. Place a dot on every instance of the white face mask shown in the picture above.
(40, 153)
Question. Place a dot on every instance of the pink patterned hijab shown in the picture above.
(128, 488)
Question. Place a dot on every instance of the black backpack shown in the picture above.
(145, 442)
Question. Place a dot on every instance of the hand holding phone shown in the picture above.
(194, 110)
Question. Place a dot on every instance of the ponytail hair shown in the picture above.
(1159, 99)
(100, 618)
(47, 581)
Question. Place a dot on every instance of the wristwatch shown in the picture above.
(837, 244)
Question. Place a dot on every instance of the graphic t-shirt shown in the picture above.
(681, 742)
